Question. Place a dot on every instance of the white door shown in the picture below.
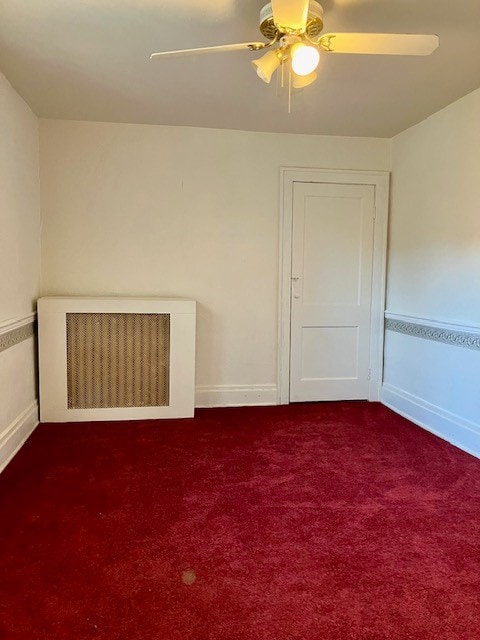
(331, 292)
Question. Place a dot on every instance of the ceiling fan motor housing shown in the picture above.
(314, 21)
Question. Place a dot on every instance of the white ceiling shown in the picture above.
(88, 60)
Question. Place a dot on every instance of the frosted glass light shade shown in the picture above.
(305, 58)
(267, 64)
(299, 82)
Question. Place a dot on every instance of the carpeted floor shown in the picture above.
(332, 521)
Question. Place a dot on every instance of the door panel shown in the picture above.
(332, 256)
(329, 352)
(327, 234)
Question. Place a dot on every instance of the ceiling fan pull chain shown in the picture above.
(289, 90)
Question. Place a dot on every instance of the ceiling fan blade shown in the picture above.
(394, 44)
(290, 15)
(244, 46)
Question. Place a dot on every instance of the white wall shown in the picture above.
(167, 211)
(19, 263)
(434, 270)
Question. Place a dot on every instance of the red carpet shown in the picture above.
(337, 521)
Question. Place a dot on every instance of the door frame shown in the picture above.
(381, 182)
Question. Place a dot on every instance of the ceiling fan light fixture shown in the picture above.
(268, 64)
(300, 82)
(305, 58)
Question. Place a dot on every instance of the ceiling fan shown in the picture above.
(293, 29)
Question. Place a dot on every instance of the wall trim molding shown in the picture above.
(16, 330)
(235, 395)
(451, 427)
(14, 436)
(467, 336)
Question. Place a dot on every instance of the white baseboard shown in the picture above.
(462, 433)
(236, 396)
(13, 437)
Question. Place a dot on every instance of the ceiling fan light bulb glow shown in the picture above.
(267, 64)
(305, 59)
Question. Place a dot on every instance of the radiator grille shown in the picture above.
(118, 360)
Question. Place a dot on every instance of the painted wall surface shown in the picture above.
(166, 211)
(19, 252)
(434, 262)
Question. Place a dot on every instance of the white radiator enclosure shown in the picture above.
(116, 358)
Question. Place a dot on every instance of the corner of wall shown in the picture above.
(432, 347)
(20, 219)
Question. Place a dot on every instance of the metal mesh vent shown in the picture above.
(118, 360)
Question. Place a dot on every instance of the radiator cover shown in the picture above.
(116, 358)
